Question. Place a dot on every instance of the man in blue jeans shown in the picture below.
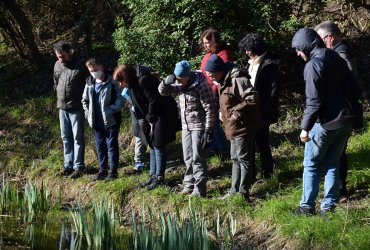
(70, 73)
(327, 119)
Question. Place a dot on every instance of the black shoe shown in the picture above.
(111, 176)
(246, 198)
(66, 172)
(147, 182)
(157, 181)
(101, 175)
(324, 213)
(76, 174)
(304, 211)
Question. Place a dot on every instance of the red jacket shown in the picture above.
(226, 55)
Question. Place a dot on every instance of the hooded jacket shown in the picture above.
(238, 103)
(196, 102)
(327, 80)
(69, 83)
(110, 105)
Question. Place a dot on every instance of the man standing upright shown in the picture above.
(327, 119)
(263, 69)
(331, 36)
(70, 73)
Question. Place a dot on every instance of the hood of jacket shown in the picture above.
(142, 70)
(195, 79)
(307, 40)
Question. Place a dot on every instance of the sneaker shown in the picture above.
(102, 175)
(303, 211)
(66, 172)
(157, 181)
(139, 166)
(186, 191)
(197, 194)
(324, 213)
(147, 182)
(227, 196)
(76, 174)
(111, 176)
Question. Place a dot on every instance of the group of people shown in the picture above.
(220, 106)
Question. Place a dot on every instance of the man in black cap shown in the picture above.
(241, 118)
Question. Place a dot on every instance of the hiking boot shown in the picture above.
(226, 196)
(111, 176)
(102, 175)
(76, 174)
(66, 172)
(324, 213)
(186, 191)
(157, 181)
(304, 211)
(147, 182)
(139, 166)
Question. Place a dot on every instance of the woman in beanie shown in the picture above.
(211, 43)
(241, 118)
(157, 116)
(197, 118)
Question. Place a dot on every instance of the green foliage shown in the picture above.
(35, 199)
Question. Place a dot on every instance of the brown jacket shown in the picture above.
(239, 104)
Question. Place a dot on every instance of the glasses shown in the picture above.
(323, 38)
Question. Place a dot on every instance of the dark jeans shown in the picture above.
(219, 143)
(158, 160)
(243, 157)
(343, 170)
(263, 146)
(106, 142)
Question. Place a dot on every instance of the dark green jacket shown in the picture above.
(69, 82)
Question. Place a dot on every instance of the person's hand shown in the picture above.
(151, 133)
(170, 79)
(205, 138)
(304, 136)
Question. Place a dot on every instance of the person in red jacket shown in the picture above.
(211, 43)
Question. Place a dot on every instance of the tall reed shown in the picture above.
(35, 199)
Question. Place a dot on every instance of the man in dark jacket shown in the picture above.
(327, 119)
(331, 36)
(70, 73)
(241, 118)
(263, 69)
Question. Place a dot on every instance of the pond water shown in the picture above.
(46, 234)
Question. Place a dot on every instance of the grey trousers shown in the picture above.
(243, 169)
(140, 149)
(196, 169)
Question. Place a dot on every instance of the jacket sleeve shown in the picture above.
(245, 93)
(315, 87)
(56, 74)
(207, 101)
(167, 90)
(85, 100)
(120, 100)
(226, 55)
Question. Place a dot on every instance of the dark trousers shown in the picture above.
(106, 142)
(343, 171)
(243, 170)
(263, 146)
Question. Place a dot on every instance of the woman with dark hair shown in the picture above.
(157, 115)
(210, 41)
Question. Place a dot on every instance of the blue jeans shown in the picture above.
(323, 150)
(243, 169)
(72, 132)
(158, 160)
(219, 143)
(106, 142)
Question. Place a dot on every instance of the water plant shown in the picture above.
(10, 198)
(35, 199)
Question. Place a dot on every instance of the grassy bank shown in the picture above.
(30, 147)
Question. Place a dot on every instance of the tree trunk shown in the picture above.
(25, 27)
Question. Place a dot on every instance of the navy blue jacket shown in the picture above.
(327, 79)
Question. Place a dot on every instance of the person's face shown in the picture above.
(183, 80)
(215, 76)
(63, 56)
(250, 54)
(302, 55)
(328, 39)
(209, 45)
(95, 68)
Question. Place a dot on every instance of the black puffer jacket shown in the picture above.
(327, 80)
(161, 111)
(69, 82)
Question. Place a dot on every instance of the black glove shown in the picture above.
(170, 79)
(206, 138)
